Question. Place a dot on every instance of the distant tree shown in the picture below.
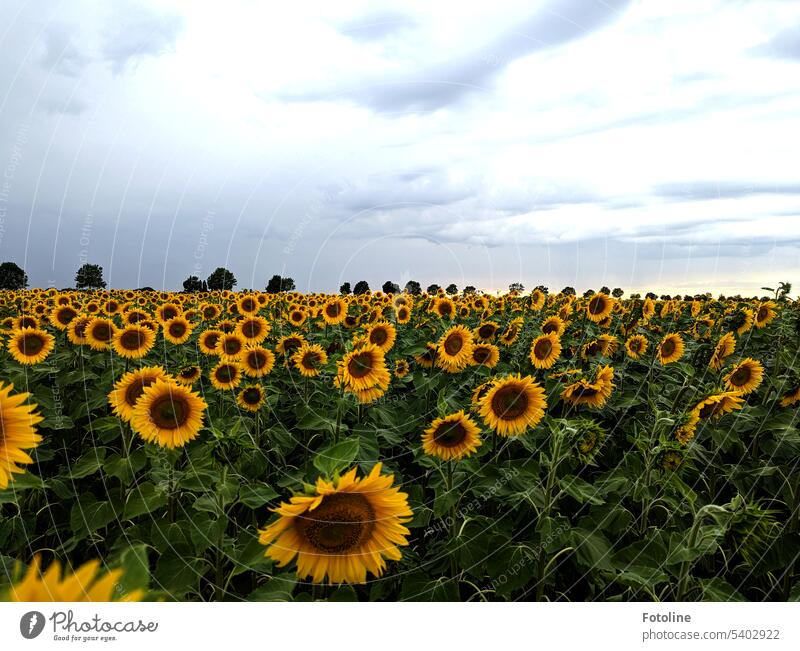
(274, 284)
(605, 290)
(665, 297)
(287, 285)
(433, 289)
(205, 286)
(12, 276)
(588, 293)
(516, 287)
(221, 279)
(617, 292)
(345, 288)
(390, 288)
(90, 276)
(542, 288)
(413, 288)
(362, 287)
(568, 291)
(451, 289)
(192, 284)
(469, 289)
(651, 296)
(636, 296)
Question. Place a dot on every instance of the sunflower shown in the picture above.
(288, 344)
(30, 346)
(363, 368)
(133, 341)
(17, 432)
(334, 311)
(382, 335)
(257, 361)
(210, 311)
(251, 397)
(444, 307)
(247, 305)
(226, 375)
(230, 347)
(765, 314)
(511, 334)
(513, 404)
(545, 350)
(188, 375)
(85, 584)
(724, 348)
(177, 330)
(479, 392)
(168, 413)
(537, 300)
(790, 397)
(599, 307)
(428, 358)
(61, 316)
(487, 355)
(401, 368)
(76, 331)
(402, 314)
(254, 329)
(594, 394)
(208, 341)
(554, 324)
(486, 331)
(167, 311)
(297, 317)
(309, 359)
(648, 309)
(670, 349)
(25, 321)
(347, 527)
(718, 405)
(452, 437)
(745, 376)
(454, 351)
(100, 333)
(130, 387)
(636, 346)
(133, 317)
(687, 430)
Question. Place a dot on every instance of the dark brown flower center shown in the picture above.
(668, 347)
(450, 434)
(311, 360)
(177, 329)
(378, 336)
(482, 354)
(251, 395)
(132, 340)
(102, 332)
(741, 376)
(136, 389)
(341, 524)
(486, 331)
(251, 328)
(256, 360)
(31, 344)
(360, 365)
(65, 315)
(333, 310)
(226, 373)
(169, 411)
(168, 312)
(597, 305)
(211, 340)
(510, 402)
(249, 305)
(542, 349)
(453, 344)
(231, 346)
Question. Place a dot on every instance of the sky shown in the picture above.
(644, 144)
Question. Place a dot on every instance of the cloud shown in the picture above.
(61, 54)
(784, 45)
(139, 32)
(705, 190)
(377, 25)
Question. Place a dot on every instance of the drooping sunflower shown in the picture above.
(512, 332)
(428, 358)
(452, 437)
(382, 335)
(486, 331)
(765, 314)
(688, 428)
(133, 341)
(334, 311)
(401, 368)
(208, 341)
(670, 349)
(545, 350)
(513, 404)
(455, 349)
(745, 376)
(554, 324)
(747, 324)
(17, 432)
(61, 316)
(130, 387)
(309, 359)
(30, 346)
(636, 346)
(487, 355)
(347, 528)
(599, 307)
(254, 329)
(724, 348)
(100, 333)
(363, 368)
(718, 405)
(648, 309)
(478, 394)
(85, 584)
(288, 344)
(257, 361)
(188, 375)
(168, 414)
(230, 347)
(226, 375)
(592, 393)
(790, 397)
(251, 397)
(177, 330)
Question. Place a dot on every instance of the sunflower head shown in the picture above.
(745, 376)
(226, 375)
(452, 437)
(513, 404)
(30, 346)
(17, 432)
(309, 359)
(251, 397)
(636, 346)
(455, 349)
(168, 413)
(670, 349)
(257, 361)
(545, 350)
(133, 341)
(130, 387)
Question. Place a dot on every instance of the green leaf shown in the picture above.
(256, 495)
(336, 457)
(592, 550)
(89, 515)
(88, 464)
(277, 588)
(580, 490)
(717, 589)
(137, 569)
(144, 498)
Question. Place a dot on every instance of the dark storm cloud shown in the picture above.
(377, 25)
(447, 82)
(705, 190)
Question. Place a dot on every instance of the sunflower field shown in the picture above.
(257, 446)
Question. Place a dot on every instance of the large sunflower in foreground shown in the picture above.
(670, 349)
(452, 437)
(347, 528)
(169, 414)
(545, 350)
(513, 404)
(745, 376)
(724, 348)
(17, 432)
(130, 387)
(30, 345)
(87, 583)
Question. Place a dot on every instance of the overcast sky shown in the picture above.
(643, 144)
